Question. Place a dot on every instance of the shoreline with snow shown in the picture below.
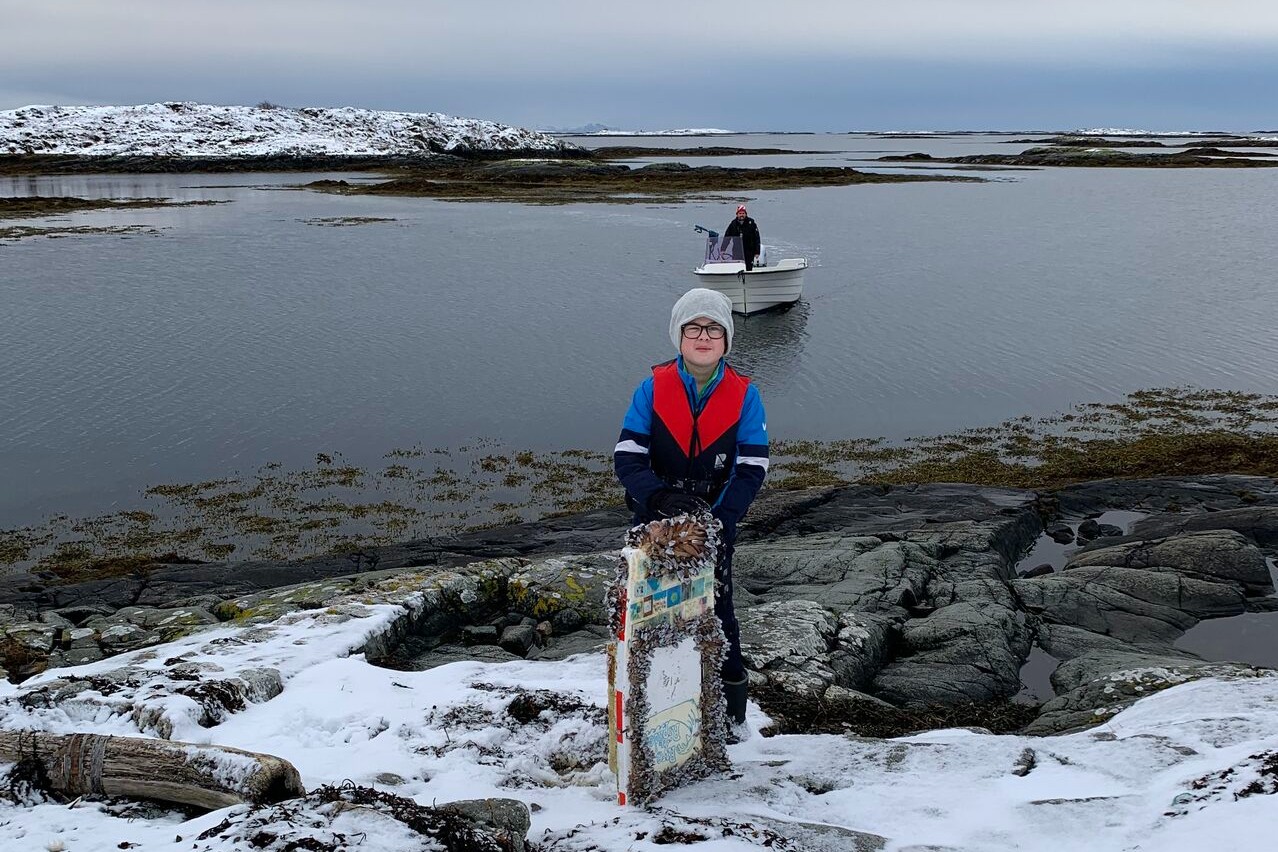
(1153, 753)
(183, 129)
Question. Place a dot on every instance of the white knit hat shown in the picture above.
(700, 302)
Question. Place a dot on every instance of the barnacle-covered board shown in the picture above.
(665, 709)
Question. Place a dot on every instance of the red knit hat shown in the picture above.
(741, 208)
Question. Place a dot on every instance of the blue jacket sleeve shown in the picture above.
(751, 465)
(630, 459)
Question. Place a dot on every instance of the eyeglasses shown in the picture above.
(692, 331)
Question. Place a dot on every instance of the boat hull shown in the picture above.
(761, 289)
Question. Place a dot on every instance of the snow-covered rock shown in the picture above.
(1191, 765)
(205, 130)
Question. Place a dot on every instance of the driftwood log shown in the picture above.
(203, 776)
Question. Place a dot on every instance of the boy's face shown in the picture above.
(702, 351)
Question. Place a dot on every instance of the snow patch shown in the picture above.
(1162, 774)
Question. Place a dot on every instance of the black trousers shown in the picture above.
(733, 665)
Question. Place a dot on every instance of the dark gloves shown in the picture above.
(667, 504)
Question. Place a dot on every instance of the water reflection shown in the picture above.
(768, 347)
(1246, 638)
(181, 187)
(240, 335)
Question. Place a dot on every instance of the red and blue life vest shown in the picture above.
(694, 450)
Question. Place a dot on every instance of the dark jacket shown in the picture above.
(652, 454)
(748, 231)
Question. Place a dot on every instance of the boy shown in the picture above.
(694, 439)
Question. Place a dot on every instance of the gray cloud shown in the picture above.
(809, 64)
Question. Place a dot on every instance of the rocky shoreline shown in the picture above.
(873, 608)
(34, 206)
(67, 164)
(542, 181)
(1100, 157)
(1076, 141)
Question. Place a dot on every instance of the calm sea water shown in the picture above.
(241, 335)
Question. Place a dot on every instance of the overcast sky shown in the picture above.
(657, 64)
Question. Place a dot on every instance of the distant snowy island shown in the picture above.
(605, 130)
(203, 130)
(1148, 134)
(686, 131)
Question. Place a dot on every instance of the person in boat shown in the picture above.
(745, 228)
(695, 439)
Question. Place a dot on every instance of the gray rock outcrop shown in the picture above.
(903, 596)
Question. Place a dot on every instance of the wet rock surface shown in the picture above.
(862, 599)
(1222, 556)
(166, 584)
(35, 205)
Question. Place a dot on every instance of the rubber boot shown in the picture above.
(735, 692)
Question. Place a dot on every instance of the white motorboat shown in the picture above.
(767, 286)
